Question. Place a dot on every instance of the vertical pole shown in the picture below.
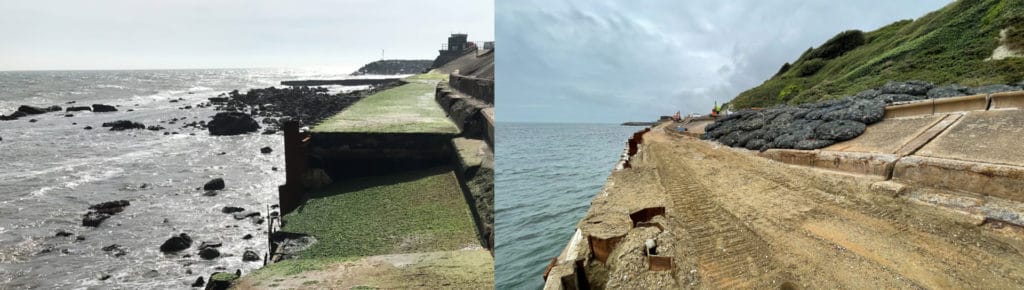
(291, 193)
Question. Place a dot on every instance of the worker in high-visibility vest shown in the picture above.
(715, 110)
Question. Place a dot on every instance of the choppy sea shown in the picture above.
(51, 170)
(546, 175)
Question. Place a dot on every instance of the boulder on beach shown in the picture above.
(232, 123)
(199, 282)
(101, 108)
(121, 125)
(205, 245)
(155, 128)
(266, 150)
(250, 256)
(78, 108)
(13, 116)
(176, 243)
(110, 207)
(221, 280)
(63, 233)
(93, 219)
(209, 253)
(214, 184)
(245, 215)
(231, 209)
(116, 250)
(30, 110)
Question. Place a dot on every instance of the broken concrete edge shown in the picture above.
(878, 165)
(975, 209)
(998, 180)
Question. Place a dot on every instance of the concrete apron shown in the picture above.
(320, 158)
(961, 154)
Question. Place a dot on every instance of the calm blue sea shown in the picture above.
(546, 176)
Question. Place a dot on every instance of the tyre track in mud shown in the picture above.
(730, 255)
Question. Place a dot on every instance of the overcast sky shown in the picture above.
(153, 34)
(585, 61)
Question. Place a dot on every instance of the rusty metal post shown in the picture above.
(295, 159)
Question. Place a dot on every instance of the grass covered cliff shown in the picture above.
(953, 45)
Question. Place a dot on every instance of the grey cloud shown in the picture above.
(633, 60)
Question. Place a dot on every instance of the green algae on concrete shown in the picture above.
(409, 108)
(413, 211)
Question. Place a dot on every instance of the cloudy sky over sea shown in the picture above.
(131, 34)
(613, 61)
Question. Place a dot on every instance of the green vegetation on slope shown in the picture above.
(944, 47)
(409, 108)
(424, 211)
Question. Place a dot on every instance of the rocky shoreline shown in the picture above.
(239, 115)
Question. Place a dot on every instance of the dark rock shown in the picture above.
(266, 150)
(916, 88)
(30, 110)
(839, 130)
(88, 128)
(247, 236)
(214, 184)
(221, 281)
(210, 193)
(205, 245)
(231, 209)
(176, 243)
(63, 233)
(269, 132)
(244, 215)
(121, 125)
(232, 123)
(101, 108)
(110, 207)
(80, 238)
(893, 98)
(13, 116)
(947, 91)
(992, 89)
(104, 277)
(867, 94)
(209, 253)
(155, 128)
(250, 256)
(116, 250)
(199, 282)
(864, 111)
(79, 108)
(93, 219)
(33, 121)
(273, 168)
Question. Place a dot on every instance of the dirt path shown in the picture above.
(755, 223)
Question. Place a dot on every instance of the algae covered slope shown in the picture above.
(408, 108)
(953, 45)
